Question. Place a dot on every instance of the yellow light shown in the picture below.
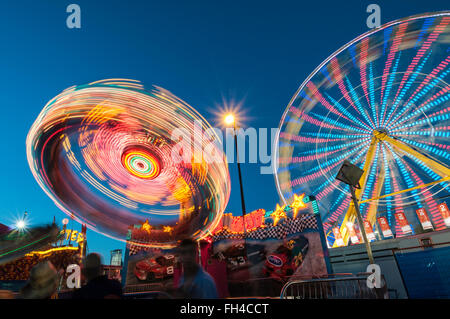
(298, 204)
(229, 119)
(146, 226)
(168, 229)
(50, 251)
(278, 214)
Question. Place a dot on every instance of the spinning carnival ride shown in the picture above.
(111, 154)
(382, 102)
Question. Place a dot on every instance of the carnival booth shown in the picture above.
(251, 258)
(60, 247)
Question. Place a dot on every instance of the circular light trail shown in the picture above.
(113, 155)
(141, 164)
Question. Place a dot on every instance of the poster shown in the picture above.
(443, 208)
(369, 230)
(384, 225)
(424, 219)
(403, 222)
(352, 233)
(338, 237)
(151, 267)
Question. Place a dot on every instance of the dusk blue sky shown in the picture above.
(204, 52)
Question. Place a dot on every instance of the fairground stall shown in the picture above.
(254, 258)
(61, 247)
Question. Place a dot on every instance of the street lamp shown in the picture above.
(20, 225)
(350, 175)
(230, 120)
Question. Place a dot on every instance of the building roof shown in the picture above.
(4, 229)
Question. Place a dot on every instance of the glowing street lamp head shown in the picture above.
(229, 119)
(20, 225)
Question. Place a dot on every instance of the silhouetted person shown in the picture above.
(98, 285)
(43, 282)
(195, 282)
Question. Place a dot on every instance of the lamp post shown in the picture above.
(350, 174)
(361, 225)
(230, 120)
(21, 223)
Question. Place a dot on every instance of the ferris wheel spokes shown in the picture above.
(383, 137)
(381, 102)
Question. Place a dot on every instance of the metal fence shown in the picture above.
(148, 295)
(343, 287)
(143, 288)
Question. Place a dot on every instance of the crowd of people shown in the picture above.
(44, 278)
(20, 269)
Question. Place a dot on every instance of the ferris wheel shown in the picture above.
(382, 102)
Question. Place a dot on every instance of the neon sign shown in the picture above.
(258, 218)
(73, 235)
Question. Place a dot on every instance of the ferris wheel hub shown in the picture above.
(380, 133)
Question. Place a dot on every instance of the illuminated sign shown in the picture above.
(424, 219)
(51, 250)
(298, 204)
(257, 218)
(445, 213)
(234, 224)
(369, 230)
(352, 233)
(384, 225)
(73, 235)
(338, 237)
(403, 222)
(278, 214)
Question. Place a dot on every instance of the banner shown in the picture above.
(384, 225)
(338, 237)
(403, 222)
(352, 233)
(235, 224)
(424, 219)
(369, 230)
(445, 213)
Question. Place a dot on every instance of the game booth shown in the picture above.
(254, 258)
